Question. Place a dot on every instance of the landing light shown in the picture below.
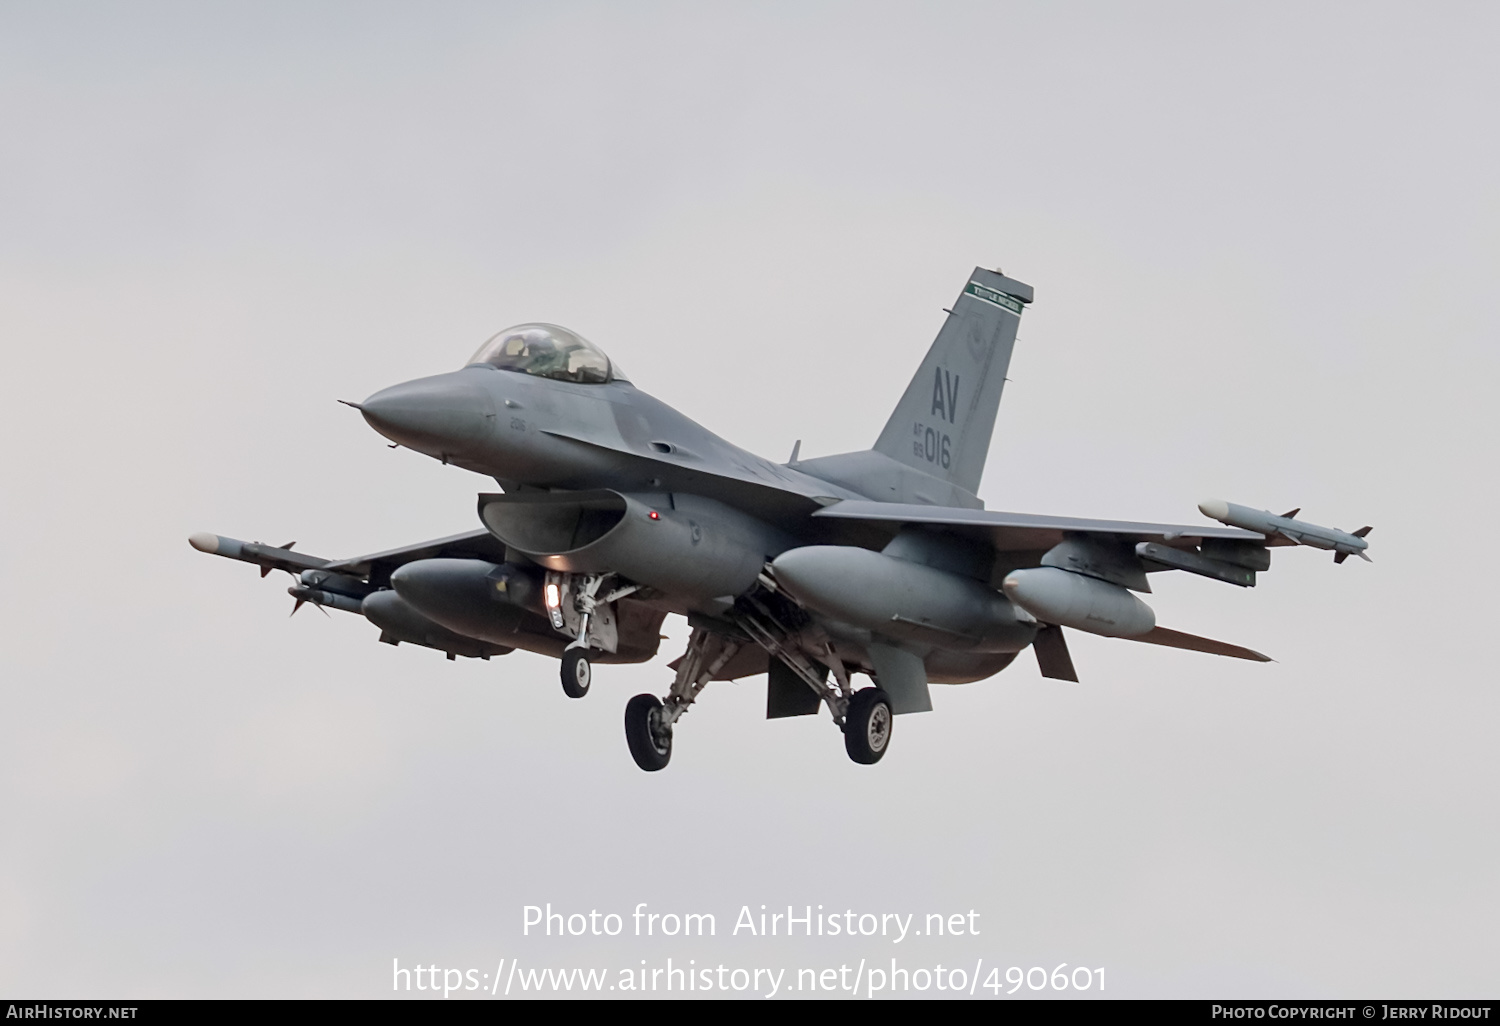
(554, 599)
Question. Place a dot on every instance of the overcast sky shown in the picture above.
(1263, 239)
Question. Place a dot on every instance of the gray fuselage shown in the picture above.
(535, 433)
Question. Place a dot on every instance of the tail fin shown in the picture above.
(944, 422)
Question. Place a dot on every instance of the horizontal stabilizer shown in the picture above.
(1193, 643)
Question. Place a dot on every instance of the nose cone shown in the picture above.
(446, 415)
(837, 580)
(806, 573)
(1214, 509)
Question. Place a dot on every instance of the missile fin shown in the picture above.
(1339, 557)
(1291, 513)
(1362, 532)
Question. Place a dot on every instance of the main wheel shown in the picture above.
(649, 738)
(867, 725)
(576, 672)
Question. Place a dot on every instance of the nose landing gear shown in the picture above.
(577, 609)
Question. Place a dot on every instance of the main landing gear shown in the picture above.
(864, 716)
(648, 721)
(867, 726)
(647, 733)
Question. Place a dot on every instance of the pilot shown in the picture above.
(544, 357)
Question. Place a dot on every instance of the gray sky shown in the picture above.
(1263, 241)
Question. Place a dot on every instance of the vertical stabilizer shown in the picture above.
(943, 424)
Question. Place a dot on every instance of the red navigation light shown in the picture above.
(655, 515)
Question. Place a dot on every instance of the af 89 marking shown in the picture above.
(932, 445)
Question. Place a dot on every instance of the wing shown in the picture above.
(1010, 532)
(378, 566)
(1029, 535)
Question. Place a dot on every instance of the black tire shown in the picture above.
(867, 726)
(650, 742)
(576, 672)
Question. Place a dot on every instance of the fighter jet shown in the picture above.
(614, 510)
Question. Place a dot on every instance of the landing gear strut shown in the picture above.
(649, 720)
(864, 716)
(576, 608)
(762, 618)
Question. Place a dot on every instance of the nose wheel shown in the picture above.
(576, 672)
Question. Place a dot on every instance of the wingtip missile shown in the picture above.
(214, 545)
(1299, 532)
(267, 557)
(1214, 509)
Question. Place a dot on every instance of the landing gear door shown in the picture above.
(901, 674)
(786, 694)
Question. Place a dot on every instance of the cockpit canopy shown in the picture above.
(548, 351)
